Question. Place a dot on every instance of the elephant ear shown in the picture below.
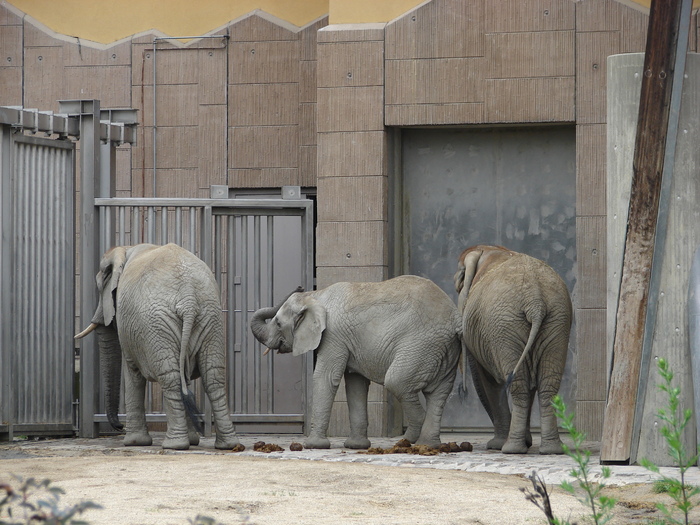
(111, 267)
(309, 324)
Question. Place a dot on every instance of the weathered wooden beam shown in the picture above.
(651, 143)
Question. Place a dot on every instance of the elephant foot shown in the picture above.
(411, 435)
(226, 441)
(513, 446)
(357, 443)
(551, 447)
(194, 438)
(176, 443)
(317, 442)
(432, 443)
(138, 439)
(496, 443)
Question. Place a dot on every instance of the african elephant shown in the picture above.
(516, 318)
(160, 306)
(402, 333)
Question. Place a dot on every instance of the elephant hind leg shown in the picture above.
(215, 388)
(434, 405)
(550, 442)
(398, 381)
(494, 398)
(177, 435)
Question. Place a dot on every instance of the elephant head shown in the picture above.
(105, 324)
(295, 325)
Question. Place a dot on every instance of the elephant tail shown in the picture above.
(535, 316)
(463, 367)
(188, 398)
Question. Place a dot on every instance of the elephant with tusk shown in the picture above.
(159, 308)
(516, 319)
(403, 333)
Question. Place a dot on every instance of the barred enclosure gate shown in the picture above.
(37, 261)
(259, 251)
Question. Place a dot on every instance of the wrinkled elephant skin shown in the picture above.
(402, 333)
(159, 307)
(516, 320)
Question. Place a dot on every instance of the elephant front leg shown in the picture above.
(356, 389)
(135, 396)
(326, 382)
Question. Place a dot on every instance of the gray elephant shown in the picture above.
(516, 315)
(402, 333)
(160, 306)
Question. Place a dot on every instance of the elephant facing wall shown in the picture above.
(403, 333)
(159, 307)
(516, 320)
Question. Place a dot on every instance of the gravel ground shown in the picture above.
(147, 485)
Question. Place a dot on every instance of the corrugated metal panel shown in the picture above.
(37, 274)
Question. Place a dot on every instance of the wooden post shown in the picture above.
(648, 164)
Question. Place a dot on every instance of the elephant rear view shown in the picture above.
(516, 321)
(160, 306)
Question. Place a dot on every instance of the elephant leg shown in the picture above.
(494, 398)
(326, 381)
(135, 395)
(356, 389)
(214, 379)
(517, 442)
(400, 381)
(192, 434)
(550, 442)
(434, 406)
(177, 435)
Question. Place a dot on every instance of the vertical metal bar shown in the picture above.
(7, 271)
(89, 168)
(231, 318)
(151, 224)
(245, 350)
(257, 285)
(193, 231)
(136, 225)
(122, 225)
(164, 225)
(178, 226)
(307, 232)
(270, 257)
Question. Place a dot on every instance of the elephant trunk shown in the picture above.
(111, 368)
(258, 323)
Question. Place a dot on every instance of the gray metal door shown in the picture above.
(510, 187)
(259, 250)
(36, 285)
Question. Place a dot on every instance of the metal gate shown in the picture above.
(259, 250)
(36, 264)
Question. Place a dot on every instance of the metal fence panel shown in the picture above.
(259, 251)
(37, 280)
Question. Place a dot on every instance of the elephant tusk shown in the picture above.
(86, 331)
(267, 351)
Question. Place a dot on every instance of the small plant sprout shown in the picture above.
(600, 506)
(675, 420)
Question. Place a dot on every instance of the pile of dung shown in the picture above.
(261, 446)
(403, 446)
(238, 448)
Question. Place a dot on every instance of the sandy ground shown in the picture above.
(146, 485)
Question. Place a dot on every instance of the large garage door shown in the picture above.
(511, 187)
